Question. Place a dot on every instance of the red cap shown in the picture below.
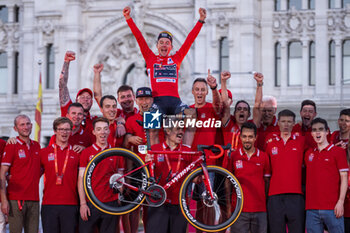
(81, 91)
(228, 93)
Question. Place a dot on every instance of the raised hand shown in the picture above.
(98, 68)
(126, 12)
(259, 77)
(70, 56)
(202, 14)
(225, 75)
(211, 80)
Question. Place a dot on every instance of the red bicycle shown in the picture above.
(132, 183)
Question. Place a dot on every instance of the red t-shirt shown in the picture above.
(250, 173)
(24, 163)
(82, 138)
(133, 128)
(66, 193)
(2, 148)
(205, 136)
(264, 131)
(176, 164)
(102, 172)
(286, 161)
(164, 71)
(335, 138)
(323, 178)
(347, 200)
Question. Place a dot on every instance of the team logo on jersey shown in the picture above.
(21, 154)
(203, 115)
(151, 120)
(311, 157)
(274, 150)
(239, 164)
(258, 164)
(51, 157)
(160, 158)
(170, 61)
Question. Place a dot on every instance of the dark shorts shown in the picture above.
(169, 105)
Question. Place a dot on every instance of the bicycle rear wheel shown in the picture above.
(223, 211)
(105, 187)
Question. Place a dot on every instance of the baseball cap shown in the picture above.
(166, 34)
(81, 91)
(144, 92)
(229, 93)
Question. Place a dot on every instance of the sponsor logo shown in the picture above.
(51, 157)
(152, 120)
(274, 150)
(239, 164)
(311, 157)
(21, 154)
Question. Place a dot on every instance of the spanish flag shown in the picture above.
(38, 111)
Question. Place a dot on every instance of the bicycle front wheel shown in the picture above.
(205, 213)
(114, 180)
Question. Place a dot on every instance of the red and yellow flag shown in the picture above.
(38, 111)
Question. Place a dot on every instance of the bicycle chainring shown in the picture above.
(156, 196)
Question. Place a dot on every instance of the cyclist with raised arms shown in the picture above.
(163, 68)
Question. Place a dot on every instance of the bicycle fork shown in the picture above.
(207, 184)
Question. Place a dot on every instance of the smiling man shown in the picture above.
(326, 182)
(341, 137)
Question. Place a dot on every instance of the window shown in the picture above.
(346, 60)
(277, 64)
(344, 2)
(312, 64)
(3, 72)
(311, 4)
(224, 54)
(50, 67)
(17, 14)
(331, 64)
(294, 3)
(277, 5)
(16, 72)
(295, 62)
(331, 4)
(3, 14)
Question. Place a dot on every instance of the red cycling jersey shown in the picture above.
(164, 71)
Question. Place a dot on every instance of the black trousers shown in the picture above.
(165, 219)
(59, 218)
(106, 223)
(286, 210)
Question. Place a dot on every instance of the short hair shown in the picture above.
(286, 113)
(20, 116)
(270, 98)
(111, 97)
(61, 120)
(249, 125)
(242, 101)
(308, 102)
(77, 105)
(320, 120)
(200, 80)
(99, 119)
(123, 88)
(345, 112)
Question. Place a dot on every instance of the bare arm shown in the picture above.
(258, 98)
(225, 75)
(97, 83)
(216, 96)
(339, 207)
(84, 209)
(4, 202)
(63, 88)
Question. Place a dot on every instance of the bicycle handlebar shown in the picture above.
(216, 149)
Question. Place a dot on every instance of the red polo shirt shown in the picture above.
(65, 193)
(82, 138)
(250, 172)
(102, 172)
(2, 147)
(24, 163)
(176, 164)
(306, 132)
(323, 178)
(205, 136)
(112, 139)
(133, 128)
(335, 138)
(263, 131)
(347, 200)
(286, 161)
(126, 115)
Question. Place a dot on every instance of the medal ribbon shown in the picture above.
(178, 162)
(65, 162)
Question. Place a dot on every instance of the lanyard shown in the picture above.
(65, 162)
(178, 163)
(235, 140)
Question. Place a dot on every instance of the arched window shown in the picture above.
(312, 64)
(224, 54)
(277, 64)
(50, 67)
(331, 62)
(295, 62)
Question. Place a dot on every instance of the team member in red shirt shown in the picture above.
(80, 138)
(341, 136)
(168, 218)
(2, 216)
(268, 123)
(307, 114)
(326, 182)
(20, 202)
(286, 204)
(84, 96)
(232, 123)
(90, 215)
(251, 166)
(59, 210)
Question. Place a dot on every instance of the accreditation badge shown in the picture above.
(274, 150)
(142, 149)
(21, 154)
(239, 164)
(59, 180)
(311, 157)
